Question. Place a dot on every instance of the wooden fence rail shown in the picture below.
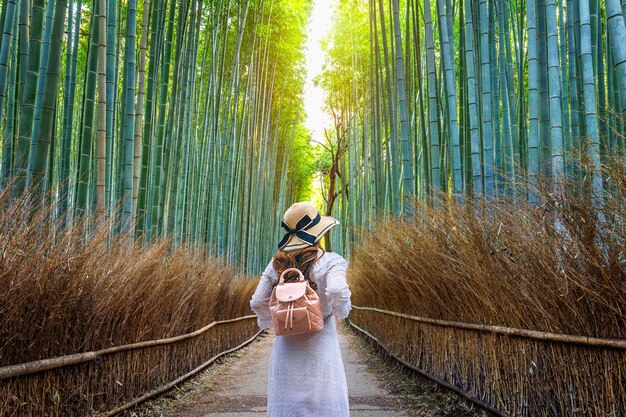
(509, 371)
(509, 331)
(180, 379)
(80, 383)
(76, 358)
(439, 381)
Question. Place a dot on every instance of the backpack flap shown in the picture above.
(293, 315)
(290, 292)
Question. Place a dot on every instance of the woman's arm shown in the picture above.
(337, 290)
(260, 302)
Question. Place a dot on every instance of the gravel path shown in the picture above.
(237, 387)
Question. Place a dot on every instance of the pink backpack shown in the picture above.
(295, 307)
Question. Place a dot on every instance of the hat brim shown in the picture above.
(319, 230)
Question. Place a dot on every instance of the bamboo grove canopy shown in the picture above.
(488, 98)
(177, 118)
(184, 118)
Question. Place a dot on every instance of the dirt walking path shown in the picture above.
(238, 387)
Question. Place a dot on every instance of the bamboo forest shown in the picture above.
(473, 152)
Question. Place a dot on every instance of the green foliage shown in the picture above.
(302, 165)
(323, 160)
(348, 55)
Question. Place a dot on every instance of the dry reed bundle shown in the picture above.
(61, 294)
(556, 267)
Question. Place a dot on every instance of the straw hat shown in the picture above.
(304, 225)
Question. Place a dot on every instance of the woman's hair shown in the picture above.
(302, 259)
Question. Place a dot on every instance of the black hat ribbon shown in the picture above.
(305, 223)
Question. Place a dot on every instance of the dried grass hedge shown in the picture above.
(558, 267)
(61, 294)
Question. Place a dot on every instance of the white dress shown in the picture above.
(307, 377)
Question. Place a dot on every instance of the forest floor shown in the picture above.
(377, 387)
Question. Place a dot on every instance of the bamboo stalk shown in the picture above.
(441, 382)
(510, 331)
(178, 380)
(76, 358)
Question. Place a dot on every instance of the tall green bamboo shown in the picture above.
(394, 165)
(556, 112)
(617, 30)
(573, 83)
(111, 71)
(86, 133)
(29, 92)
(477, 175)
(485, 100)
(9, 132)
(433, 117)
(128, 112)
(49, 99)
(68, 104)
(102, 110)
(41, 77)
(449, 65)
(589, 88)
(533, 97)
(150, 152)
(407, 165)
(158, 194)
(5, 46)
(143, 141)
